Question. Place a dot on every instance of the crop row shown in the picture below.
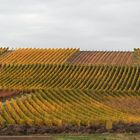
(136, 56)
(41, 76)
(127, 102)
(3, 50)
(37, 56)
(101, 57)
(60, 107)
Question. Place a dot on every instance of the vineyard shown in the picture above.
(69, 87)
(3, 50)
(62, 107)
(136, 56)
(37, 56)
(102, 57)
(67, 76)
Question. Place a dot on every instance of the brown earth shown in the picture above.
(127, 104)
(102, 57)
(5, 94)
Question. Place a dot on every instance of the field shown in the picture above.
(102, 57)
(69, 91)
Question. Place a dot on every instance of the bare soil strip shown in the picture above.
(17, 130)
(4, 95)
(7, 95)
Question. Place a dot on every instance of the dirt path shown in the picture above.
(26, 138)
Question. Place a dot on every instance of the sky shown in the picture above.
(85, 24)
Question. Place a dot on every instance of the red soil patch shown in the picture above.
(8, 94)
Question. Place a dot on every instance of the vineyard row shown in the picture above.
(37, 56)
(101, 57)
(61, 107)
(41, 76)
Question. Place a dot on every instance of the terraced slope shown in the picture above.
(37, 56)
(102, 78)
(62, 107)
(101, 57)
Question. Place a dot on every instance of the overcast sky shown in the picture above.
(85, 24)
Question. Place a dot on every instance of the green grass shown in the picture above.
(98, 137)
(75, 137)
